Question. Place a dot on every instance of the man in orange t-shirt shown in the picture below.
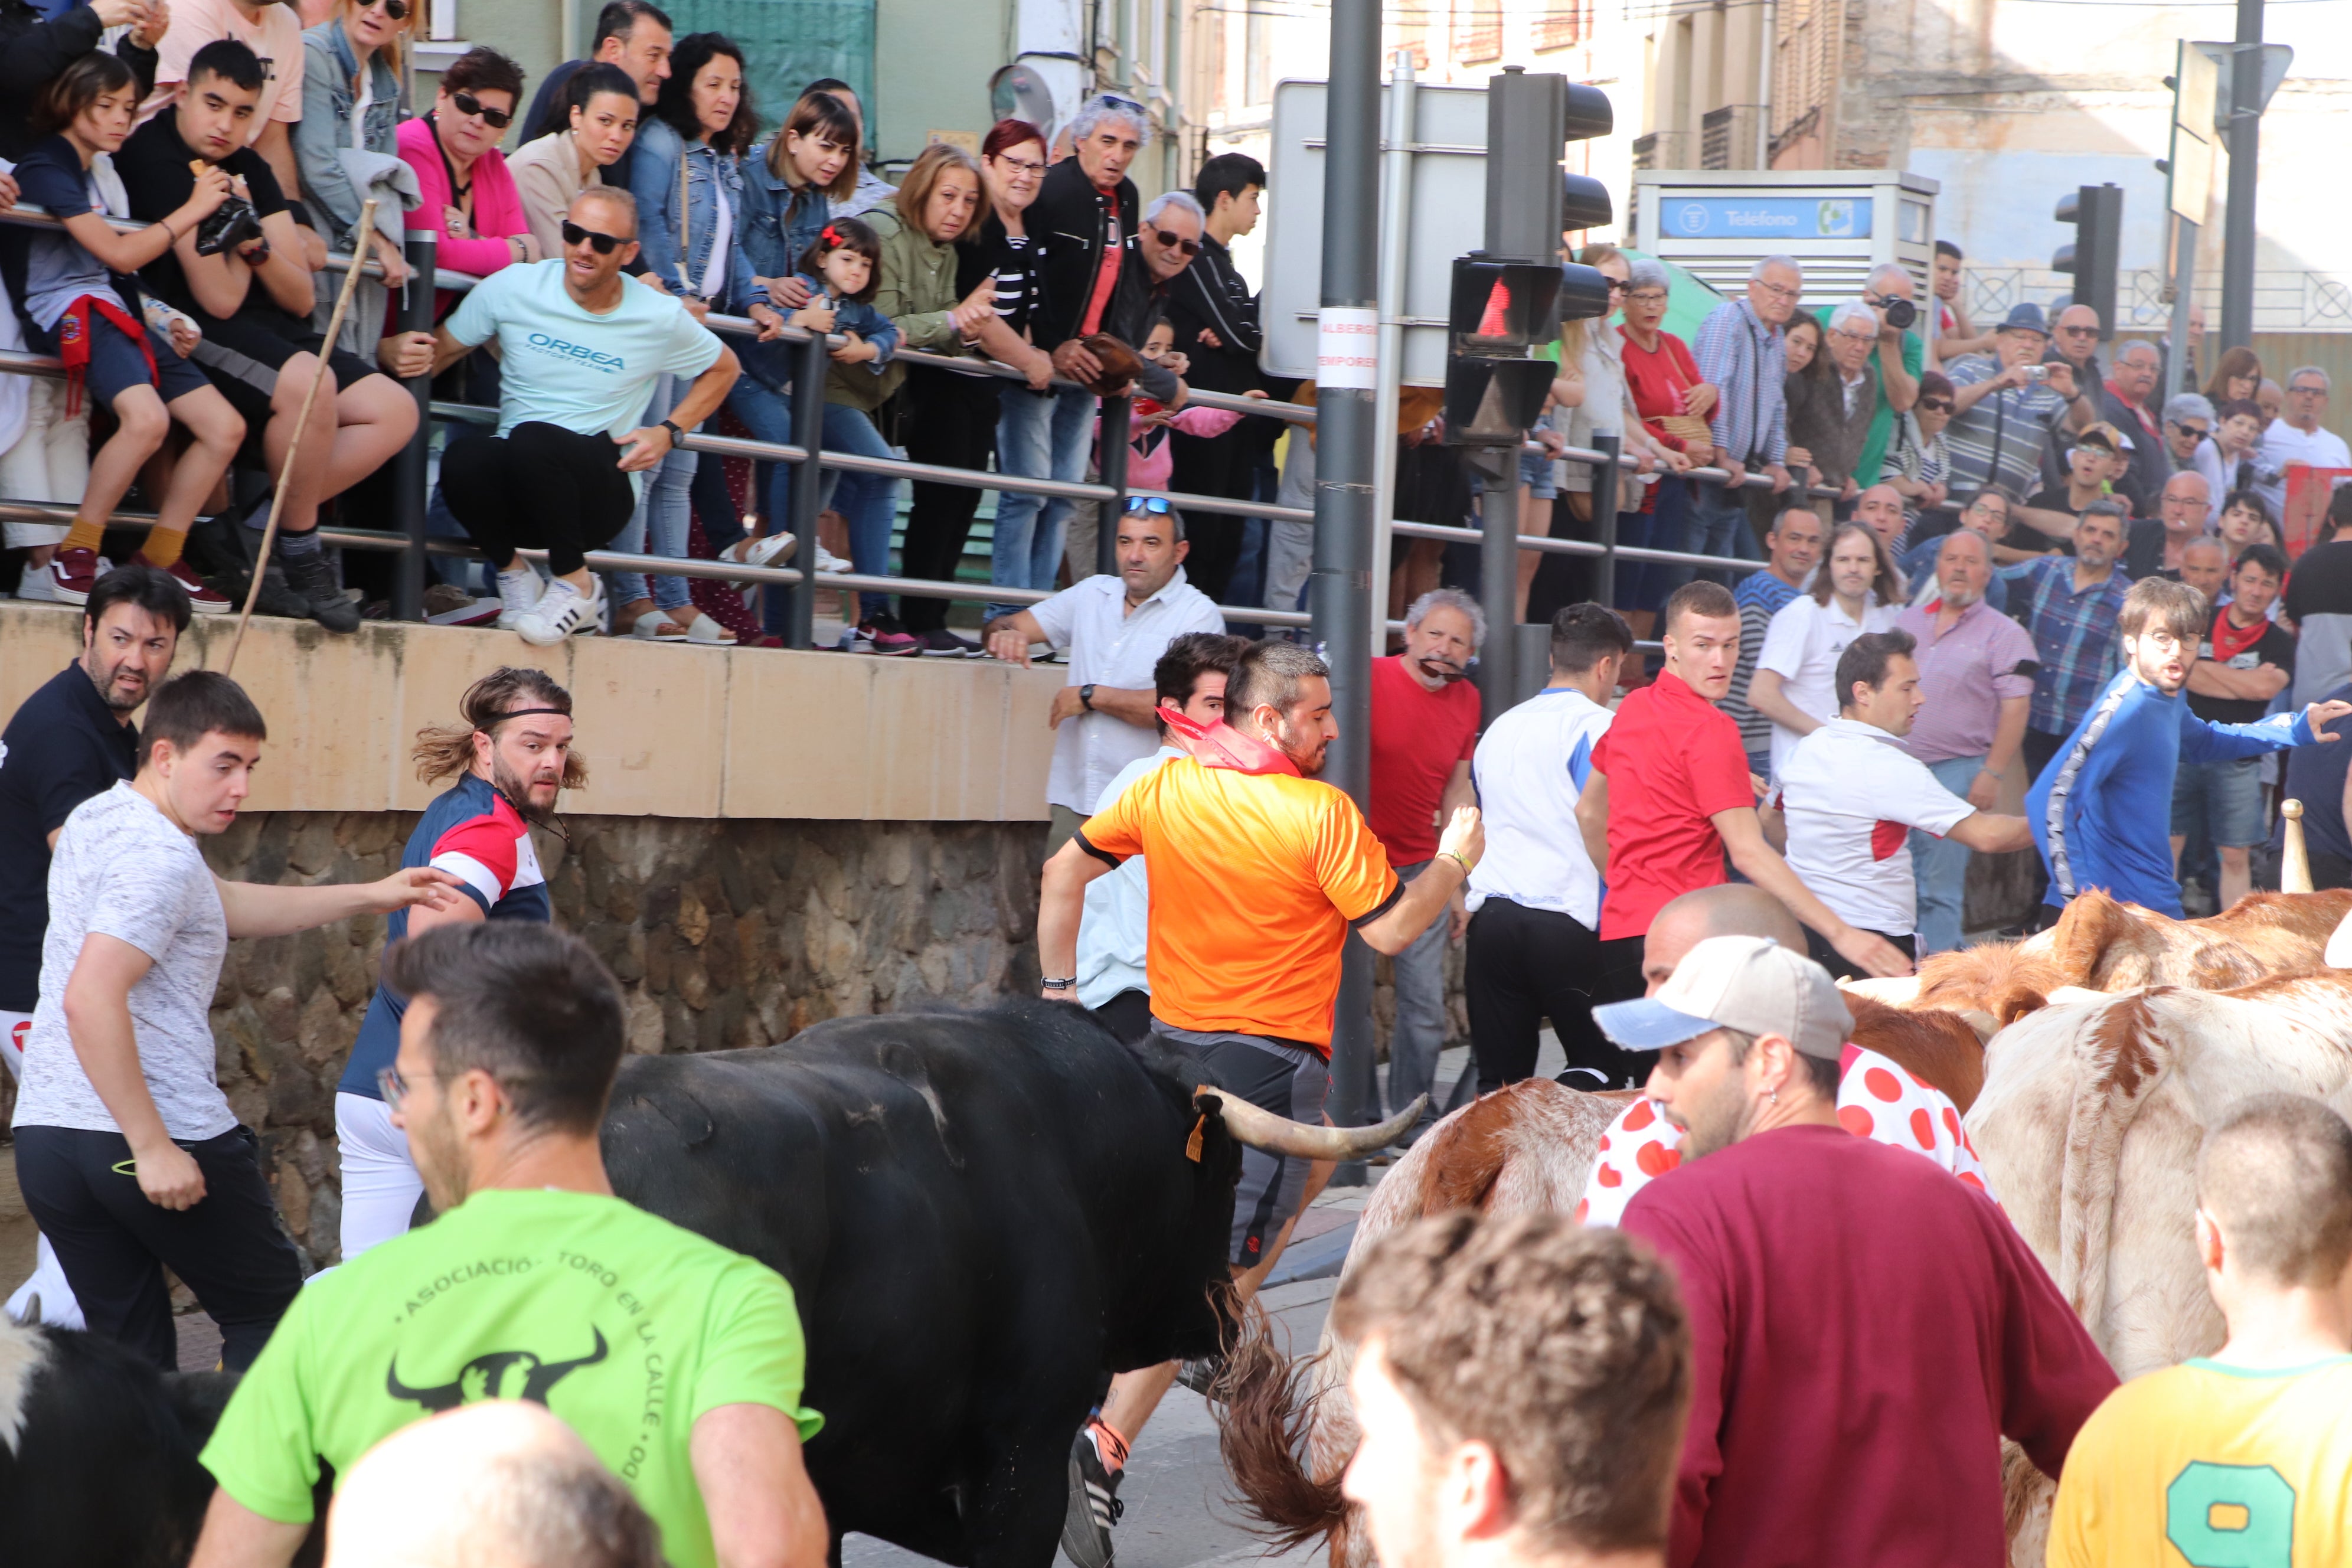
(1259, 871)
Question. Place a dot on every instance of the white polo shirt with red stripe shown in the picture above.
(1853, 794)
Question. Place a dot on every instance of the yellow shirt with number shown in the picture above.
(2214, 1467)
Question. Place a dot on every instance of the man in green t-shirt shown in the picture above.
(1893, 368)
(678, 1361)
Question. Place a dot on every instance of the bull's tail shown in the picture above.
(2119, 1062)
(1265, 1404)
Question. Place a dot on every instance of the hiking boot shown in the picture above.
(312, 578)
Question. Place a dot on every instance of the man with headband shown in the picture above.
(512, 754)
(1424, 733)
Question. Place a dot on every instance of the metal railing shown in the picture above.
(413, 543)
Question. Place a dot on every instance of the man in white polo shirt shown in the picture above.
(1114, 629)
(1853, 794)
(1534, 943)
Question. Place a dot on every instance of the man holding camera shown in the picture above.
(2008, 405)
(1894, 363)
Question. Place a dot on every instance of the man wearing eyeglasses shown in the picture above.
(2158, 546)
(2008, 407)
(2295, 438)
(1738, 351)
(2123, 402)
(1894, 360)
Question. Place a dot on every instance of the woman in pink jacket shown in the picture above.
(470, 200)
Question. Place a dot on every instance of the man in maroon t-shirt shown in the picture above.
(1669, 797)
(1864, 1328)
(1425, 732)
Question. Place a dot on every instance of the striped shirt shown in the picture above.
(1760, 597)
(1741, 358)
(2074, 636)
(2001, 439)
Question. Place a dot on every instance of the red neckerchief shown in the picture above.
(73, 342)
(1220, 746)
(2228, 641)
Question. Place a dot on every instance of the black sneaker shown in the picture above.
(1093, 1505)
(276, 598)
(941, 643)
(313, 580)
(1202, 1373)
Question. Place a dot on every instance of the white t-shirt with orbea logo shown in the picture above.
(1853, 794)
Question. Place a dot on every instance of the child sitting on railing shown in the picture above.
(1149, 462)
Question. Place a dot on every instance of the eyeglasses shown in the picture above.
(1647, 296)
(1854, 337)
(1176, 242)
(2080, 332)
(574, 234)
(392, 1085)
(1155, 506)
(467, 104)
(1777, 291)
(1616, 287)
(1936, 404)
(1023, 168)
(396, 9)
(2199, 431)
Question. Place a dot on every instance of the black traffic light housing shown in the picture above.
(2093, 259)
(1498, 310)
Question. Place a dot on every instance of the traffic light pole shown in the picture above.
(1339, 593)
(2246, 160)
(2179, 372)
(1498, 575)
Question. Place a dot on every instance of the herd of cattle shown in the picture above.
(982, 1214)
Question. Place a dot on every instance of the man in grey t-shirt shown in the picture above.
(126, 1152)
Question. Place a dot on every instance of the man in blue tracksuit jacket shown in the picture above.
(2102, 810)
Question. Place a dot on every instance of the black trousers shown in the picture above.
(2330, 870)
(1210, 466)
(114, 1245)
(1127, 1016)
(539, 487)
(1818, 947)
(1522, 967)
(950, 420)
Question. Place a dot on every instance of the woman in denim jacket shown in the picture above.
(356, 52)
(688, 179)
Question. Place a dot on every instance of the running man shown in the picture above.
(2094, 809)
(1259, 871)
(512, 755)
(129, 1155)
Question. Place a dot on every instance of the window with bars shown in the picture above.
(1563, 25)
(1479, 32)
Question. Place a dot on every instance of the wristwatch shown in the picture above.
(677, 436)
(1087, 697)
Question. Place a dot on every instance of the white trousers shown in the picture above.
(46, 1298)
(50, 461)
(381, 1185)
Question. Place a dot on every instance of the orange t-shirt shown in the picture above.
(1256, 878)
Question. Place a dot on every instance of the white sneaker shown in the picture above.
(561, 612)
(519, 591)
(755, 550)
(826, 560)
(37, 586)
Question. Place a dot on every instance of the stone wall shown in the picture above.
(723, 935)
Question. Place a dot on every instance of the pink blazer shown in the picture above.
(498, 205)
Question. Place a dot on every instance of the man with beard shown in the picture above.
(512, 756)
(678, 1362)
(2094, 806)
(1259, 871)
(71, 739)
(1854, 1311)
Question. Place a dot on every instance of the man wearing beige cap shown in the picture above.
(1865, 1330)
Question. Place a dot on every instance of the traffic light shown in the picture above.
(2097, 213)
(1499, 310)
(1530, 119)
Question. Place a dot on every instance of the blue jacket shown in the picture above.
(2102, 810)
(329, 63)
(780, 223)
(654, 181)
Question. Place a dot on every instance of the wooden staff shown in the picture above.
(365, 232)
(2294, 861)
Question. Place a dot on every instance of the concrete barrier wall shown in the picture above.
(665, 730)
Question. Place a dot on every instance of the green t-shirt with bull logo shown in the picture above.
(626, 1326)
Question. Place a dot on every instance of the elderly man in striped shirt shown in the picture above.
(1738, 350)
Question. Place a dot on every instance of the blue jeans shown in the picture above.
(664, 510)
(1716, 524)
(867, 503)
(1644, 585)
(1940, 865)
(1037, 437)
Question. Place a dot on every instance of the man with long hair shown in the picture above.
(511, 752)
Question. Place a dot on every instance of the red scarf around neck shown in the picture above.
(1220, 746)
(2230, 641)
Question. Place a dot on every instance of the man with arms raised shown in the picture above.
(2242, 1456)
(1865, 1330)
(1853, 797)
(1669, 796)
(580, 348)
(1259, 871)
(128, 1154)
(535, 1281)
(2094, 806)
(512, 755)
(1522, 1386)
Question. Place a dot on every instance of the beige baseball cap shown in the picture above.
(1750, 984)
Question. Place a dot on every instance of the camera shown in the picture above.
(1900, 313)
(232, 223)
(2036, 374)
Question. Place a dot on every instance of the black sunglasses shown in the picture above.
(396, 9)
(574, 234)
(1936, 404)
(1177, 242)
(495, 118)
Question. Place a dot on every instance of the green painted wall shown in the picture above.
(935, 61)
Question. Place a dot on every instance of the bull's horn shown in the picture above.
(1985, 1025)
(1902, 990)
(1264, 1130)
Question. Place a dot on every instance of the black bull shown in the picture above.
(980, 1213)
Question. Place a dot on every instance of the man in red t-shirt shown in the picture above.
(1670, 795)
(1425, 732)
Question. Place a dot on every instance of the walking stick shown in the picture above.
(365, 231)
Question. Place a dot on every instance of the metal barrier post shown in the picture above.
(1113, 448)
(808, 479)
(1605, 519)
(410, 470)
(1498, 573)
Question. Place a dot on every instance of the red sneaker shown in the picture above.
(201, 599)
(72, 575)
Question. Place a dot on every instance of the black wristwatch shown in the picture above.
(677, 436)
(1087, 697)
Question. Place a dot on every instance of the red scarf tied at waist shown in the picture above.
(73, 342)
(1220, 746)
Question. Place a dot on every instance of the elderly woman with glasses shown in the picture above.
(1672, 401)
(1833, 401)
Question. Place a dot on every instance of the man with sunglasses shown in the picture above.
(579, 350)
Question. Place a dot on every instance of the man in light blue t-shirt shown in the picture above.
(579, 347)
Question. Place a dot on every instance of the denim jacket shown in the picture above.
(324, 131)
(780, 223)
(856, 316)
(654, 181)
